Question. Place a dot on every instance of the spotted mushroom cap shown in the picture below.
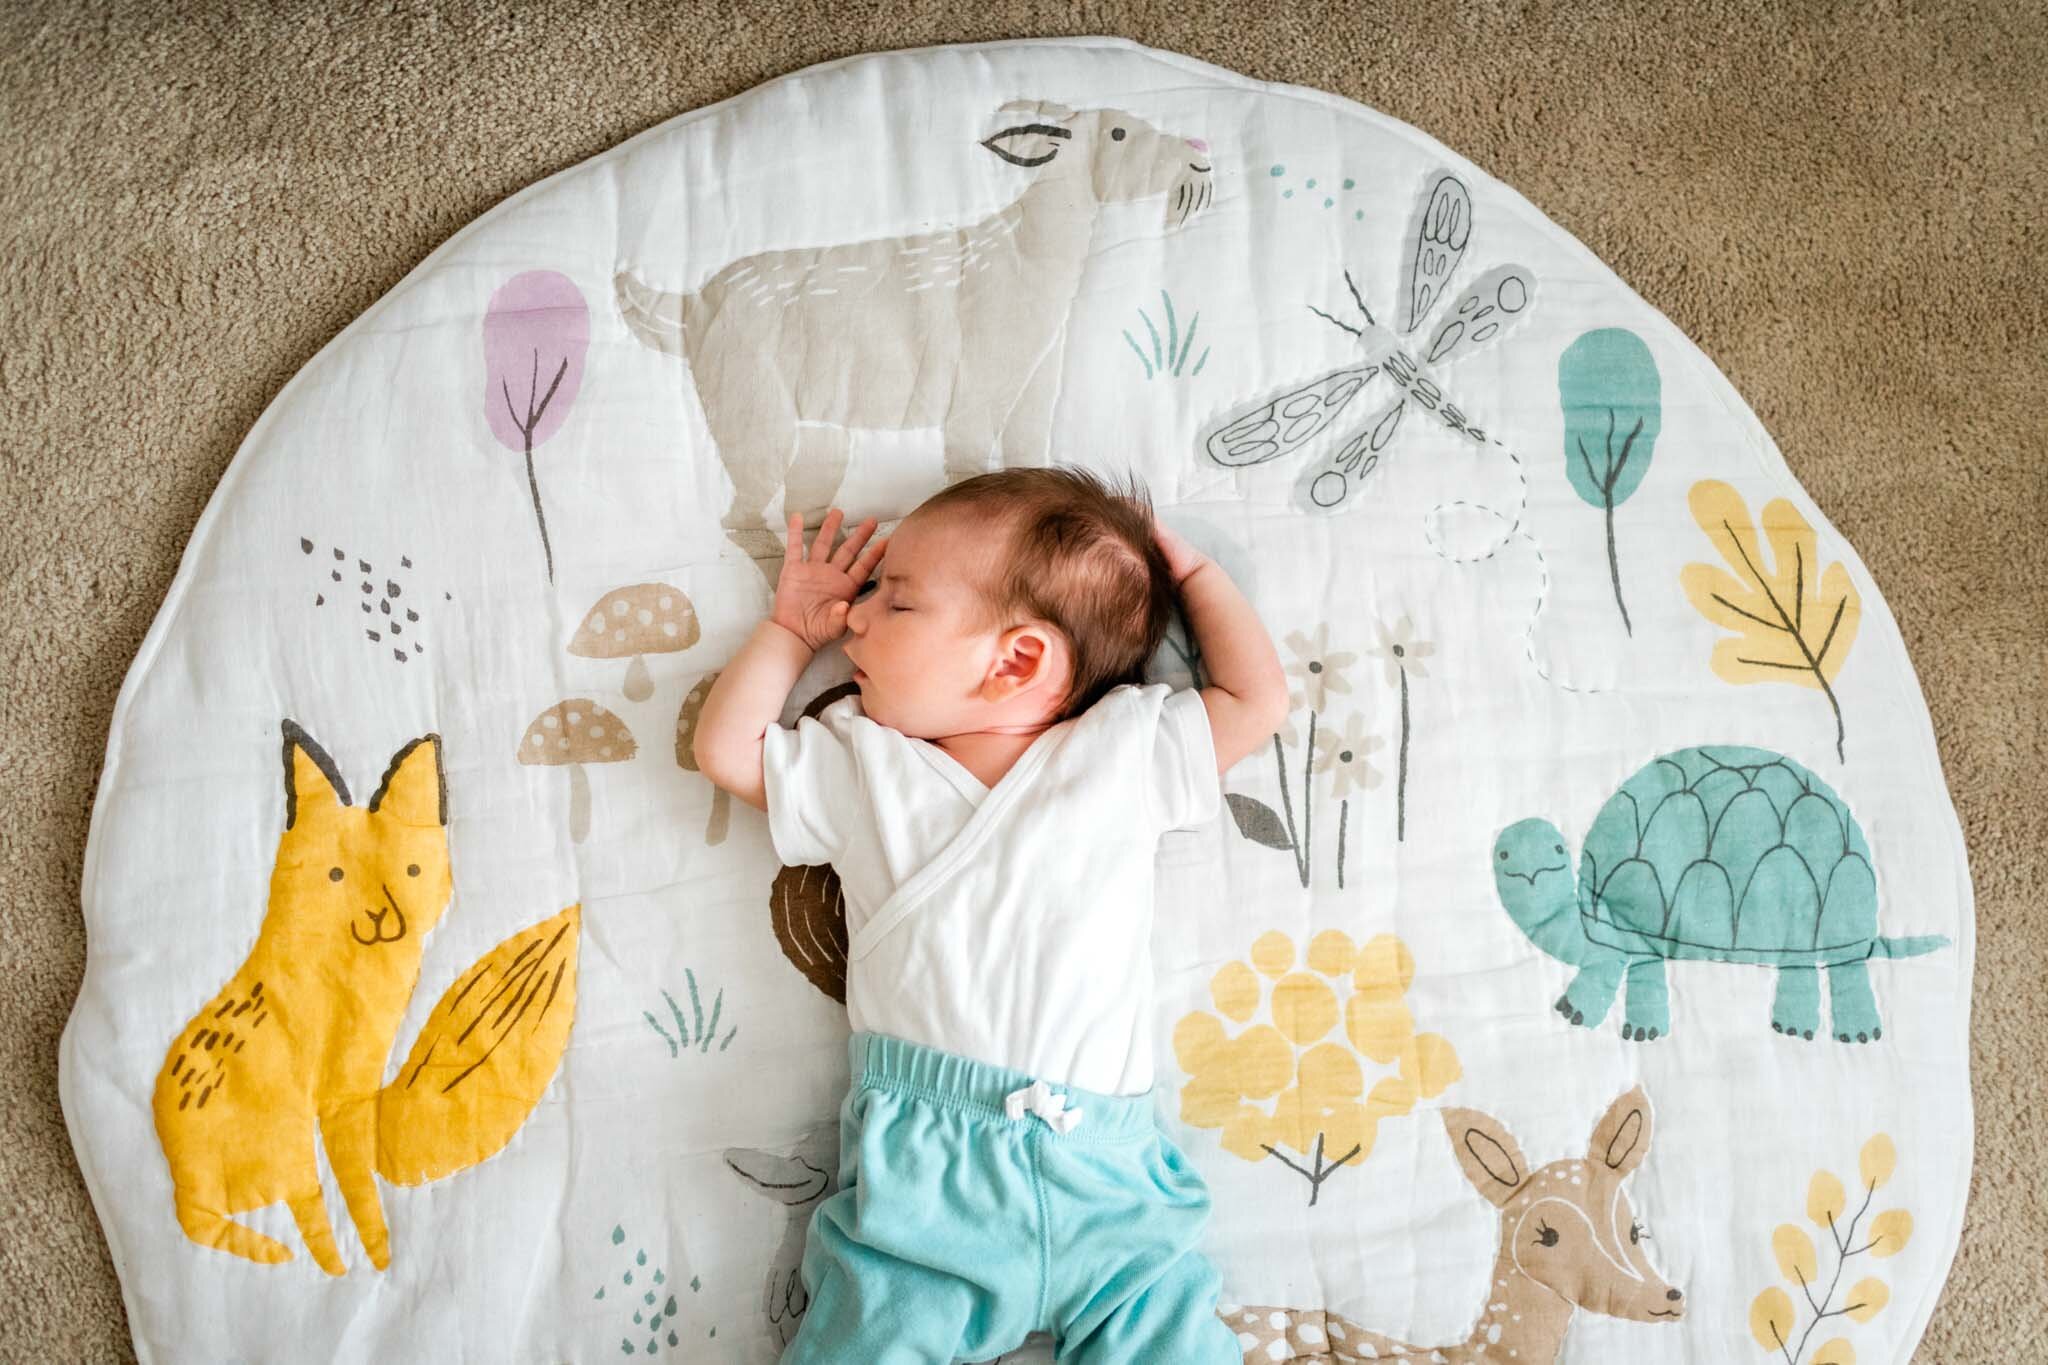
(645, 618)
(686, 722)
(577, 730)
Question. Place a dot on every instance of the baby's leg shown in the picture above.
(1136, 1286)
(868, 1305)
(929, 1251)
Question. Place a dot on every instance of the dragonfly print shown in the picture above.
(1457, 324)
(1476, 317)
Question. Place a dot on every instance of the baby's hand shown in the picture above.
(1182, 558)
(813, 595)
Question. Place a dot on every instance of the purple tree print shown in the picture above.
(536, 333)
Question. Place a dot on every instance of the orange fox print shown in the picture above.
(295, 1044)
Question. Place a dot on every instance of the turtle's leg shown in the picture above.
(1852, 1008)
(1591, 994)
(1647, 1011)
(1796, 1010)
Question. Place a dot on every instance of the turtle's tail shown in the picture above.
(1908, 947)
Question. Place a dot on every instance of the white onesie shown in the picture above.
(1010, 923)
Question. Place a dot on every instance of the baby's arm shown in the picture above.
(1247, 693)
(812, 597)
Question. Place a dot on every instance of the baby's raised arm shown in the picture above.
(1247, 693)
(812, 597)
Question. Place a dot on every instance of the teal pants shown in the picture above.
(958, 1228)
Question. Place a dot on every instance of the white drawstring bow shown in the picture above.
(1038, 1098)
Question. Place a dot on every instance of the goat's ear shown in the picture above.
(1487, 1153)
(1032, 111)
(1621, 1139)
(1029, 132)
(1027, 144)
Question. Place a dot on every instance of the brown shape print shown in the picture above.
(806, 906)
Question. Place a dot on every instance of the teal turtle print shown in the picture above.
(1720, 854)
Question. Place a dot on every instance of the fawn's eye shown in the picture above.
(412, 869)
(1116, 135)
(1546, 1235)
(333, 874)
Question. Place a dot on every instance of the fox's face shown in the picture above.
(370, 876)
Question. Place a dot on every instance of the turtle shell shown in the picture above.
(1732, 854)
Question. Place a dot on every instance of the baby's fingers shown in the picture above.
(849, 549)
(864, 567)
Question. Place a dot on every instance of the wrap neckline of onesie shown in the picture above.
(995, 800)
(954, 771)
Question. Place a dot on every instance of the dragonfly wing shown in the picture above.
(1285, 424)
(1436, 243)
(1483, 314)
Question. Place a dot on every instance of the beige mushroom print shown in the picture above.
(631, 623)
(720, 823)
(570, 734)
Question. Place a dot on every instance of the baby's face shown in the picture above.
(912, 638)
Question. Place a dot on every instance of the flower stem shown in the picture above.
(1401, 785)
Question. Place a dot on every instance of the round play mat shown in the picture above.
(1581, 974)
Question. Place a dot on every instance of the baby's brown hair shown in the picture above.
(1081, 558)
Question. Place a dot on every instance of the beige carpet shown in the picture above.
(1843, 208)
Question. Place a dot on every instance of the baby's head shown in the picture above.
(1010, 599)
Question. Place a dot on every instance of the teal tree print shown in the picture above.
(1608, 386)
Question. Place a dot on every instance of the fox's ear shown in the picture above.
(310, 777)
(413, 786)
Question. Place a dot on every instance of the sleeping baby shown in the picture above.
(992, 801)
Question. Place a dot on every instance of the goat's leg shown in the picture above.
(747, 407)
(1025, 440)
(815, 471)
(998, 359)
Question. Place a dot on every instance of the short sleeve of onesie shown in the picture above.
(811, 777)
(1181, 779)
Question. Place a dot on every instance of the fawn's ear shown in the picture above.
(1622, 1137)
(1487, 1153)
(311, 781)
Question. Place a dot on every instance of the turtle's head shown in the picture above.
(1533, 874)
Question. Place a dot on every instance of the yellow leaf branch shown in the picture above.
(1792, 620)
